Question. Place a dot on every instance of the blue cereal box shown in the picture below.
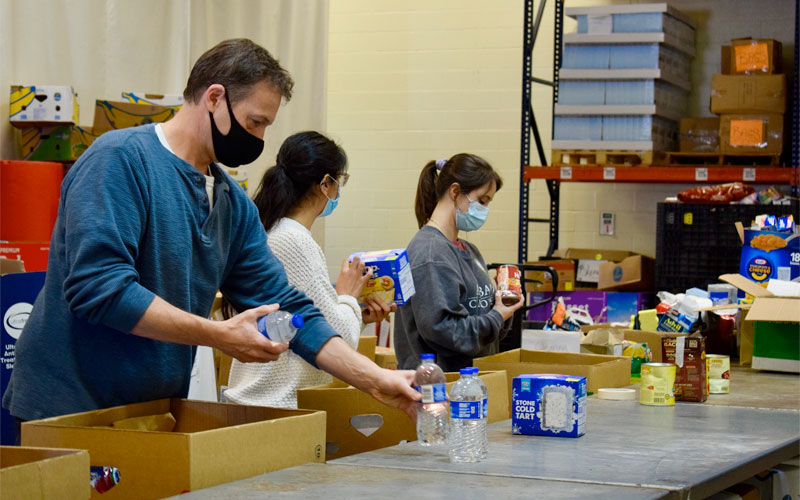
(770, 255)
(391, 276)
(549, 405)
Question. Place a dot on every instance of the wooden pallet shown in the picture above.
(604, 157)
(753, 159)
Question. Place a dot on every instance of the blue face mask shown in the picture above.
(332, 203)
(474, 217)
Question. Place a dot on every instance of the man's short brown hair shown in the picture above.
(236, 64)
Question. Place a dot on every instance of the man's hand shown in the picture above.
(241, 339)
(394, 389)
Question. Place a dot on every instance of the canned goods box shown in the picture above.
(211, 444)
(391, 275)
(600, 371)
(548, 405)
(44, 473)
(358, 423)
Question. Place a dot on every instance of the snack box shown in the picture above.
(391, 275)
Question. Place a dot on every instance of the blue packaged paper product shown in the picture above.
(391, 276)
(549, 405)
(770, 255)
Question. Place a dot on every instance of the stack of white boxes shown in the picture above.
(624, 79)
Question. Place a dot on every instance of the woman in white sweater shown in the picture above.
(304, 184)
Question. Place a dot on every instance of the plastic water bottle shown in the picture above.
(280, 326)
(467, 427)
(432, 425)
(485, 414)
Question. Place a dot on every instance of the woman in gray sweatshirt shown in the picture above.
(456, 312)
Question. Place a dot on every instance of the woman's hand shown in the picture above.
(352, 278)
(506, 311)
(377, 310)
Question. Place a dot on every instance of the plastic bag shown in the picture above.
(721, 193)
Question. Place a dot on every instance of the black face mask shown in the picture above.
(239, 147)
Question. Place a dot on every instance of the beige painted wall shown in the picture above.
(419, 80)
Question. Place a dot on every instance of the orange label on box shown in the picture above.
(753, 57)
(747, 133)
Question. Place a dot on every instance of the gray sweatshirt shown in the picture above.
(451, 313)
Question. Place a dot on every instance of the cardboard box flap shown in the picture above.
(745, 285)
(775, 309)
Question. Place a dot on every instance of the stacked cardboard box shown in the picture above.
(750, 97)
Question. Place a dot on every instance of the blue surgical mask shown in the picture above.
(332, 203)
(474, 217)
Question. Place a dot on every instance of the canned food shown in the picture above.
(719, 373)
(658, 384)
(510, 284)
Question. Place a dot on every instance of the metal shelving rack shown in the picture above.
(553, 176)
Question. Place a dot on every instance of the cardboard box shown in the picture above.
(588, 260)
(33, 254)
(44, 473)
(635, 273)
(744, 134)
(725, 58)
(755, 56)
(541, 281)
(770, 255)
(391, 276)
(551, 340)
(42, 105)
(699, 135)
(212, 443)
(112, 115)
(167, 100)
(358, 423)
(603, 307)
(649, 337)
(64, 143)
(745, 94)
(549, 405)
(385, 357)
(600, 371)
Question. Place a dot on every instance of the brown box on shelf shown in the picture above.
(725, 59)
(746, 94)
(541, 281)
(44, 473)
(751, 133)
(112, 115)
(699, 135)
(635, 273)
(755, 56)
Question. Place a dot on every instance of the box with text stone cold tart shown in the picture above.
(391, 276)
(548, 405)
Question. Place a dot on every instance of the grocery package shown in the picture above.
(721, 193)
(391, 276)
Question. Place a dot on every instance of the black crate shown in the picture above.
(695, 243)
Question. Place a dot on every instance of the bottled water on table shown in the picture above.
(280, 326)
(467, 426)
(432, 422)
(485, 415)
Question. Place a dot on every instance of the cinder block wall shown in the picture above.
(419, 80)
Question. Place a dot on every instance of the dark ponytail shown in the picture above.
(467, 170)
(303, 161)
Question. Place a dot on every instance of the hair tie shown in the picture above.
(440, 163)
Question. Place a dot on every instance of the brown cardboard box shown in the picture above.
(600, 371)
(367, 345)
(652, 338)
(745, 94)
(541, 281)
(751, 133)
(699, 135)
(588, 261)
(755, 56)
(385, 357)
(112, 115)
(725, 66)
(358, 423)
(212, 443)
(44, 473)
(635, 273)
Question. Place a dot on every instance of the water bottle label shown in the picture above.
(470, 410)
(485, 408)
(432, 393)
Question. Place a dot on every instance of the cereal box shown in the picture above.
(549, 405)
(770, 254)
(391, 276)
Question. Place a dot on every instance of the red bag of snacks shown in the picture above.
(721, 193)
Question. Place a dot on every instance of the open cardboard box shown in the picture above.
(600, 371)
(653, 339)
(358, 423)
(211, 444)
(634, 273)
(44, 473)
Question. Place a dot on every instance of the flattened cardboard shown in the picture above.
(600, 371)
(44, 473)
(635, 273)
(213, 443)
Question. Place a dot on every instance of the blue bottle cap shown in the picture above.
(426, 356)
(465, 371)
(474, 370)
(298, 321)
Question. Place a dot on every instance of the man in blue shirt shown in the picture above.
(148, 229)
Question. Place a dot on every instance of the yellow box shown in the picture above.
(44, 473)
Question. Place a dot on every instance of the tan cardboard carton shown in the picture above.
(212, 443)
(699, 135)
(44, 473)
(600, 371)
(652, 338)
(745, 94)
(358, 423)
(112, 115)
(751, 133)
(541, 281)
(385, 357)
(635, 273)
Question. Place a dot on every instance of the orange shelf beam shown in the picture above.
(664, 175)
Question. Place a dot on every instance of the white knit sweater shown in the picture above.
(276, 383)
